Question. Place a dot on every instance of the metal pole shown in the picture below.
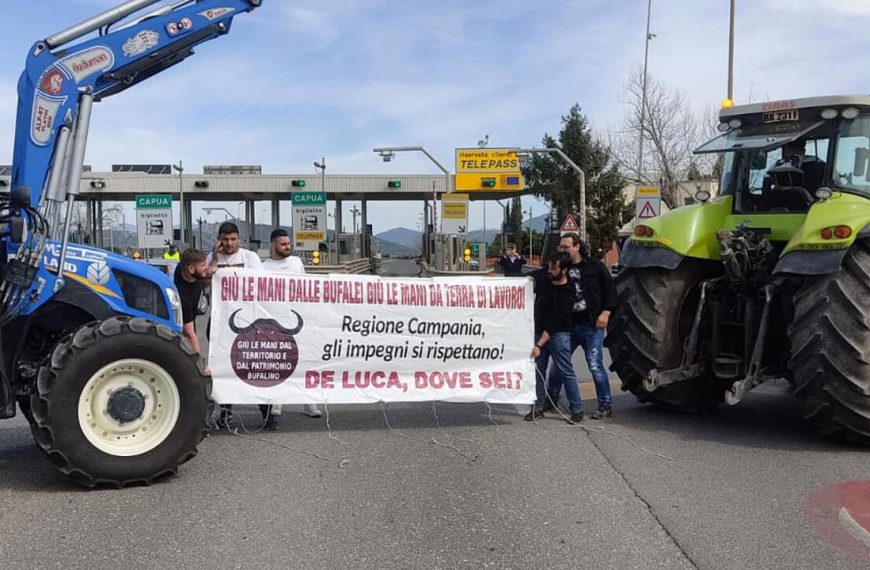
(181, 198)
(731, 54)
(580, 175)
(643, 96)
(108, 17)
(77, 159)
(531, 251)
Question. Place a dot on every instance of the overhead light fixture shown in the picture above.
(829, 113)
(201, 183)
(98, 184)
(850, 113)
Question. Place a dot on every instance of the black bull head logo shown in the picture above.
(265, 326)
(264, 353)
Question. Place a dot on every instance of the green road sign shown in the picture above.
(153, 201)
(308, 198)
(475, 247)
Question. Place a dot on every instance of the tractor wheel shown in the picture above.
(830, 347)
(654, 315)
(123, 401)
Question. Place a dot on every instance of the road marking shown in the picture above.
(853, 527)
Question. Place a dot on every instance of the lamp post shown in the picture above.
(230, 214)
(180, 170)
(731, 54)
(388, 153)
(200, 221)
(580, 175)
(531, 251)
(504, 220)
(649, 36)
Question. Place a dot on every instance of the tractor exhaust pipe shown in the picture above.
(106, 18)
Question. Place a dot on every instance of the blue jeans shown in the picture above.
(592, 341)
(559, 350)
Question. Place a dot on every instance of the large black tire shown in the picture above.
(99, 359)
(654, 315)
(830, 347)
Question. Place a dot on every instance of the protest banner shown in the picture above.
(300, 339)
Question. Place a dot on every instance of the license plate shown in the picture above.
(781, 116)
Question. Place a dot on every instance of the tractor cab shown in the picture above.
(784, 156)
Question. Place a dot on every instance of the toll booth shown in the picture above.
(349, 247)
(449, 250)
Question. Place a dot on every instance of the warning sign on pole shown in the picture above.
(648, 203)
(569, 226)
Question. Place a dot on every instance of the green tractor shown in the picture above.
(770, 279)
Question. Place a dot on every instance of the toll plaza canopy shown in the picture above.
(123, 186)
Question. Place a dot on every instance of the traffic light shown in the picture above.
(467, 253)
(394, 184)
(297, 183)
(487, 182)
(315, 257)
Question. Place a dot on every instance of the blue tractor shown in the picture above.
(90, 342)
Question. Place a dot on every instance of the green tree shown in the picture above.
(552, 179)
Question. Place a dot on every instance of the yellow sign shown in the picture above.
(454, 207)
(649, 191)
(310, 236)
(487, 160)
(487, 170)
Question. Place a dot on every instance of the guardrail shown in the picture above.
(429, 271)
(358, 267)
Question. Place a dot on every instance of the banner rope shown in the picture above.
(432, 441)
(597, 429)
(329, 428)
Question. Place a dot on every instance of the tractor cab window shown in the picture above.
(851, 170)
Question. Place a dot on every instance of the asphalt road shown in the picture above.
(744, 487)
(478, 492)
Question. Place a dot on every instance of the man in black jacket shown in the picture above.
(554, 300)
(594, 299)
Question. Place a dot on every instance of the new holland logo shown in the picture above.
(141, 42)
(99, 273)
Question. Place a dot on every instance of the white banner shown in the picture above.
(298, 339)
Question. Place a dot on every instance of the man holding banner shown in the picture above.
(282, 260)
(343, 339)
(555, 300)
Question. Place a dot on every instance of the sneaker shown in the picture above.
(271, 423)
(602, 412)
(534, 415)
(311, 410)
(576, 418)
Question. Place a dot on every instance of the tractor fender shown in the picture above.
(79, 296)
(807, 253)
(815, 262)
(647, 256)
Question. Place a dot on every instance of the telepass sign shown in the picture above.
(488, 169)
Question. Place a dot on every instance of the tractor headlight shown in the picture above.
(175, 302)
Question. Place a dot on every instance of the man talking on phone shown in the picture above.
(229, 253)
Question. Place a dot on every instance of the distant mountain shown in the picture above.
(401, 236)
(394, 249)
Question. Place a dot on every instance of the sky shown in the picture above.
(297, 80)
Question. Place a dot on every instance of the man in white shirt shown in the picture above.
(228, 252)
(282, 260)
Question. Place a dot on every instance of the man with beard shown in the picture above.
(282, 260)
(553, 317)
(228, 253)
(191, 278)
(594, 299)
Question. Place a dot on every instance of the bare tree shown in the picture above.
(672, 129)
